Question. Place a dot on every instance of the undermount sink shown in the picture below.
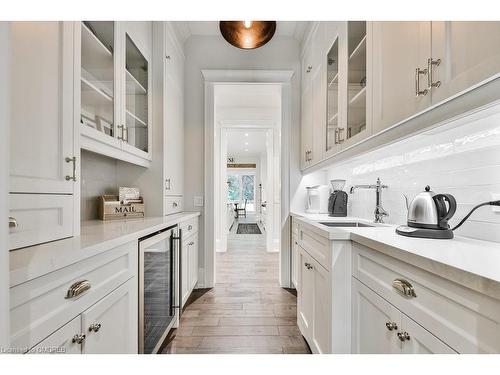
(346, 224)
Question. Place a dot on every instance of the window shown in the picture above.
(241, 187)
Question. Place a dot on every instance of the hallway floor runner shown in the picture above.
(248, 229)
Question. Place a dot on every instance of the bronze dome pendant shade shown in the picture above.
(247, 34)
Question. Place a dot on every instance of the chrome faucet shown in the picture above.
(379, 211)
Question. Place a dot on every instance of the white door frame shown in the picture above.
(212, 78)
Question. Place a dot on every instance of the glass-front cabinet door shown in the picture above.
(333, 129)
(115, 80)
(97, 77)
(356, 79)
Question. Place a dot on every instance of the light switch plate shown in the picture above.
(198, 201)
(495, 197)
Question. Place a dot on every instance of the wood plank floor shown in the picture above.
(247, 312)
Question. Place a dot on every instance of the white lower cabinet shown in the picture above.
(111, 324)
(380, 328)
(305, 295)
(189, 258)
(61, 341)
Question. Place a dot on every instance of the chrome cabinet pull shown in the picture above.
(309, 68)
(190, 227)
(174, 204)
(404, 287)
(95, 327)
(431, 63)
(167, 184)
(191, 243)
(308, 266)
(419, 92)
(403, 336)
(340, 133)
(335, 136)
(79, 338)
(391, 326)
(12, 222)
(71, 160)
(77, 289)
(125, 132)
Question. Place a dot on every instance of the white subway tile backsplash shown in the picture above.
(461, 157)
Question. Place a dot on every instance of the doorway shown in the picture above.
(251, 101)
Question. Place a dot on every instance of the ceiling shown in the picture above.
(294, 29)
(240, 140)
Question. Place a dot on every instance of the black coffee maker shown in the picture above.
(337, 203)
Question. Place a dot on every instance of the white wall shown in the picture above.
(212, 52)
(461, 157)
(4, 180)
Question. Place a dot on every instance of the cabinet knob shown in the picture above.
(190, 227)
(174, 204)
(309, 68)
(308, 266)
(78, 288)
(79, 338)
(191, 243)
(391, 326)
(403, 336)
(12, 222)
(404, 287)
(95, 327)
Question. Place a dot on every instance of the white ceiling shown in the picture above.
(211, 28)
(238, 141)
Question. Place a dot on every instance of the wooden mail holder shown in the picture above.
(111, 208)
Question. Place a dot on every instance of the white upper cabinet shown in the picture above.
(114, 59)
(306, 123)
(41, 132)
(467, 52)
(400, 54)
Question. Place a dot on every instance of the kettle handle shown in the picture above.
(445, 214)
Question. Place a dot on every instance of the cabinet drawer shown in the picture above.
(466, 320)
(317, 246)
(61, 341)
(173, 205)
(189, 227)
(39, 306)
(40, 218)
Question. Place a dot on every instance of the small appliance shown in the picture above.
(337, 203)
(428, 216)
(317, 199)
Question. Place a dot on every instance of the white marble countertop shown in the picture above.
(470, 262)
(96, 236)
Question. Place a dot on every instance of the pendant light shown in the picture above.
(247, 34)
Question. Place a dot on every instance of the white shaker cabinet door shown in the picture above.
(375, 322)
(322, 317)
(111, 324)
(62, 341)
(41, 132)
(185, 252)
(468, 53)
(421, 341)
(399, 48)
(193, 262)
(305, 295)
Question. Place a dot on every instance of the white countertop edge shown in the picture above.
(39, 260)
(483, 276)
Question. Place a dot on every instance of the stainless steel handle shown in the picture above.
(418, 73)
(403, 336)
(335, 136)
(167, 57)
(12, 222)
(308, 266)
(190, 227)
(125, 132)
(309, 68)
(391, 326)
(341, 130)
(167, 184)
(120, 136)
(79, 338)
(404, 287)
(95, 327)
(191, 243)
(78, 288)
(431, 63)
(71, 160)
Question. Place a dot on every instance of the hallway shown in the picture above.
(247, 311)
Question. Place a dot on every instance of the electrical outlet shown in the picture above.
(495, 197)
(198, 201)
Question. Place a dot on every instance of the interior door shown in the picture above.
(61, 341)
(467, 55)
(110, 325)
(421, 341)
(41, 132)
(305, 294)
(399, 48)
(372, 317)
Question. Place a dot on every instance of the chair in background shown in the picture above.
(242, 211)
